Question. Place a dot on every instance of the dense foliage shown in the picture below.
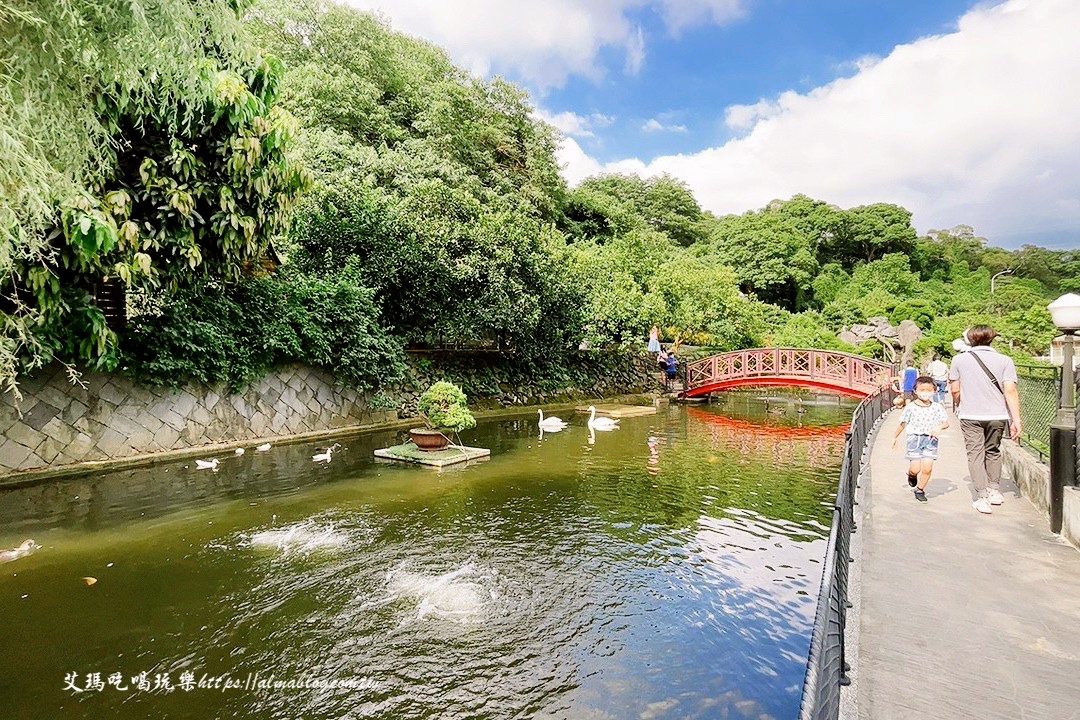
(434, 214)
(444, 187)
(144, 146)
(235, 333)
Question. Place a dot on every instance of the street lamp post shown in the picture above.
(1006, 271)
(1065, 312)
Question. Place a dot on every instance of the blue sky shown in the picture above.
(963, 112)
(778, 45)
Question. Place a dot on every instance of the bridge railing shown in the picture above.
(827, 667)
(821, 366)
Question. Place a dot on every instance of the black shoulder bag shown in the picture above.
(986, 370)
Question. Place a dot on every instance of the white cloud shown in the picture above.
(635, 52)
(980, 126)
(576, 163)
(654, 125)
(681, 14)
(744, 117)
(542, 43)
(570, 123)
(567, 123)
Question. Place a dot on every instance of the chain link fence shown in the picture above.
(1038, 390)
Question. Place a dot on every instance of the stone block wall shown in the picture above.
(108, 417)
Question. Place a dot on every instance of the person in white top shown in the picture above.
(983, 387)
(939, 371)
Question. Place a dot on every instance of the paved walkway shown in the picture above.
(961, 615)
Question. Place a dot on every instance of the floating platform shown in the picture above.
(619, 411)
(408, 452)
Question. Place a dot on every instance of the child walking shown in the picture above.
(923, 419)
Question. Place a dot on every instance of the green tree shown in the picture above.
(443, 186)
(829, 282)
(807, 330)
(662, 203)
(170, 159)
(867, 233)
(771, 257)
(694, 296)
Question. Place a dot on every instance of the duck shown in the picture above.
(207, 464)
(551, 423)
(27, 547)
(262, 448)
(239, 451)
(601, 423)
(325, 456)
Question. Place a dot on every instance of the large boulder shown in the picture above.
(893, 339)
(908, 334)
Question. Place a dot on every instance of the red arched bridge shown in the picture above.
(827, 370)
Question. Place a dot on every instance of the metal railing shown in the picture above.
(1038, 387)
(826, 668)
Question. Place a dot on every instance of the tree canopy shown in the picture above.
(163, 145)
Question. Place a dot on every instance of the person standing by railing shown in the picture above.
(985, 399)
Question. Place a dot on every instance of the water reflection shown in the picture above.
(560, 579)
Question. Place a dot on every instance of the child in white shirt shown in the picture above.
(923, 419)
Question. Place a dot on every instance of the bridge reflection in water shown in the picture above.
(785, 445)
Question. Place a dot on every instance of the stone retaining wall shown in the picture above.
(110, 417)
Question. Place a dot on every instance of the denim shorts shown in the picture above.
(921, 447)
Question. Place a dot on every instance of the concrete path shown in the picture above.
(961, 615)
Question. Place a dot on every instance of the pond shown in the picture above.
(667, 569)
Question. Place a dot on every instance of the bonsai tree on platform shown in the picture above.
(444, 410)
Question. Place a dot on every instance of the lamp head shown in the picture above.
(1065, 312)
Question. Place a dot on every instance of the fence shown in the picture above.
(826, 669)
(1038, 390)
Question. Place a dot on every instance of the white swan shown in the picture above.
(601, 423)
(262, 448)
(551, 423)
(27, 547)
(207, 464)
(325, 456)
(239, 451)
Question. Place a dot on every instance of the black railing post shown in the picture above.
(1063, 438)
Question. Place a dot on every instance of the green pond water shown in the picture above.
(667, 569)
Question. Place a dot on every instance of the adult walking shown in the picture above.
(983, 388)
(939, 371)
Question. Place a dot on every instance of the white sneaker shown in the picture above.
(983, 506)
(994, 497)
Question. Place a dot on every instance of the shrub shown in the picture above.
(236, 333)
(443, 408)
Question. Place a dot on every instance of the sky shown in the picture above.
(963, 112)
